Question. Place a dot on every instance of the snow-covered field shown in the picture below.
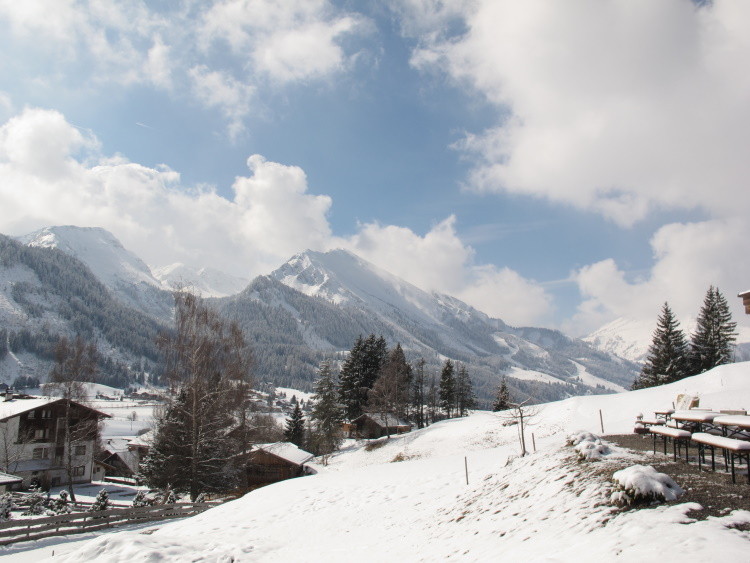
(366, 506)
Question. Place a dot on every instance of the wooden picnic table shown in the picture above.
(733, 425)
(664, 414)
(695, 418)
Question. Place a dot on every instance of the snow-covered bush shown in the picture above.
(141, 499)
(588, 446)
(60, 504)
(170, 497)
(642, 484)
(101, 502)
(581, 436)
(591, 451)
(6, 505)
(36, 503)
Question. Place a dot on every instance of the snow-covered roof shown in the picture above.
(8, 479)
(287, 451)
(386, 418)
(14, 407)
(144, 440)
(743, 293)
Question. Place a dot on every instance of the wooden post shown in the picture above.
(533, 442)
(466, 468)
(601, 420)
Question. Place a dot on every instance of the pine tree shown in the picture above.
(326, 413)
(295, 427)
(502, 399)
(712, 343)
(418, 397)
(389, 397)
(101, 502)
(667, 359)
(359, 373)
(465, 399)
(447, 394)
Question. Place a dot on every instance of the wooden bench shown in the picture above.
(679, 438)
(733, 449)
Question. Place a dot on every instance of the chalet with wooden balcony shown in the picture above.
(33, 443)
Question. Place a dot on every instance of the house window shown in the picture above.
(30, 415)
(80, 450)
(47, 413)
(79, 471)
(40, 453)
(41, 433)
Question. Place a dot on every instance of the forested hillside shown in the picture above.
(47, 293)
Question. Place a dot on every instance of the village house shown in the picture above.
(745, 300)
(32, 439)
(270, 463)
(377, 425)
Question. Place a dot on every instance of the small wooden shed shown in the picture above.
(745, 300)
(270, 463)
(376, 425)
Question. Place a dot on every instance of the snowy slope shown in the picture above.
(208, 282)
(544, 507)
(126, 275)
(631, 338)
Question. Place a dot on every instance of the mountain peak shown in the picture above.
(99, 249)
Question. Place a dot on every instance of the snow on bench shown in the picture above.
(668, 431)
(678, 437)
(737, 449)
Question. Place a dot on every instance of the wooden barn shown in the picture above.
(270, 463)
(376, 425)
(745, 300)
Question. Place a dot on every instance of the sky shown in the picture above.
(552, 164)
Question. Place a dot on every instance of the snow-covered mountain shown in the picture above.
(46, 293)
(124, 273)
(630, 338)
(208, 282)
(318, 303)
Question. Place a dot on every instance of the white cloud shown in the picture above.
(45, 179)
(221, 90)
(688, 259)
(616, 106)
(288, 41)
(440, 261)
(220, 53)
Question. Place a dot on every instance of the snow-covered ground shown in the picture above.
(371, 506)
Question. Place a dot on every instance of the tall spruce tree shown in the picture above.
(418, 396)
(465, 399)
(359, 373)
(295, 427)
(712, 344)
(502, 399)
(447, 393)
(667, 359)
(326, 413)
(389, 397)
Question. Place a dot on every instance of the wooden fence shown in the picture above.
(77, 523)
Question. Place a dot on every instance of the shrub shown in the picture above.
(642, 484)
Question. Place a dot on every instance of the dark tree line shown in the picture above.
(377, 380)
(671, 357)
